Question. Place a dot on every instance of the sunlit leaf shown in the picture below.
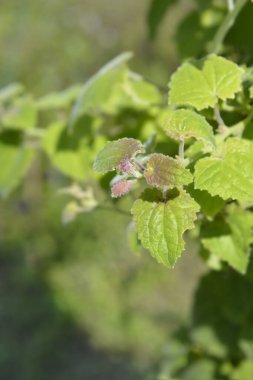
(161, 224)
(228, 174)
(244, 371)
(182, 124)
(202, 83)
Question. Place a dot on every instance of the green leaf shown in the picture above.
(203, 369)
(116, 153)
(97, 91)
(11, 91)
(141, 93)
(202, 83)
(161, 225)
(182, 124)
(210, 206)
(15, 161)
(22, 114)
(165, 172)
(229, 174)
(72, 153)
(156, 13)
(251, 92)
(233, 246)
(59, 99)
(244, 371)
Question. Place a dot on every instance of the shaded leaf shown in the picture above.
(210, 206)
(71, 153)
(244, 371)
(15, 161)
(233, 246)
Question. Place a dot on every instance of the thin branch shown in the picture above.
(225, 26)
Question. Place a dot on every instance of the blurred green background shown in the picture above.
(76, 302)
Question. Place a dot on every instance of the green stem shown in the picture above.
(220, 121)
(181, 150)
(225, 26)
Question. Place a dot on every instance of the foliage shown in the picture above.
(184, 158)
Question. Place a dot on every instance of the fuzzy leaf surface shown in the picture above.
(229, 174)
(115, 153)
(165, 172)
(161, 225)
(202, 83)
(183, 124)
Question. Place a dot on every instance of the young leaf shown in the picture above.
(161, 225)
(182, 124)
(202, 83)
(234, 245)
(121, 188)
(231, 174)
(116, 154)
(165, 172)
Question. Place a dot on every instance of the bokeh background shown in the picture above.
(76, 302)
